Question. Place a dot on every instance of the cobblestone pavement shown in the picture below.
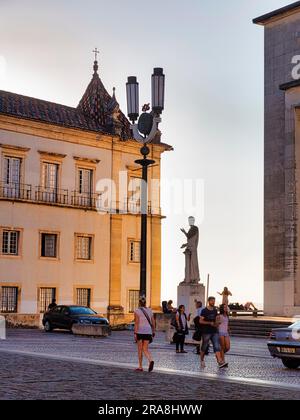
(33, 377)
(249, 360)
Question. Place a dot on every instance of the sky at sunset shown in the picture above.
(212, 56)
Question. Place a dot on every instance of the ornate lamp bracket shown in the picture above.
(146, 138)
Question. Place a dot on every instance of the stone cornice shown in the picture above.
(278, 14)
(87, 160)
(76, 136)
(12, 147)
(52, 154)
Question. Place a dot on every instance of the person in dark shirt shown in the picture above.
(52, 305)
(209, 322)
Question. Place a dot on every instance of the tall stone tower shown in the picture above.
(282, 160)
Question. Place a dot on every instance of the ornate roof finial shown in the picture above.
(114, 93)
(96, 60)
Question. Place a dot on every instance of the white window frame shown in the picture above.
(9, 233)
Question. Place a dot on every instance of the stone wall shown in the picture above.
(282, 42)
(22, 320)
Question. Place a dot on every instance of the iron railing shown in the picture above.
(86, 200)
(91, 201)
(56, 196)
(15, 191)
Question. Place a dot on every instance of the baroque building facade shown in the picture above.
(57, 239)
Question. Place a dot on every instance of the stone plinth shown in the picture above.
(187, 293)
(162, 321)
(91, 330)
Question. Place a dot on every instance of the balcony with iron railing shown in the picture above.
(86, 200)
(62, 197)
(52, 195)
(15, 191)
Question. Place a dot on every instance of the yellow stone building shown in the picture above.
(54, 241)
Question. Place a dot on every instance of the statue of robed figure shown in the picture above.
(191, 254)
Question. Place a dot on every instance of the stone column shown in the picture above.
(155, 281)
(115, 311)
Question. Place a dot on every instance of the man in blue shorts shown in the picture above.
(208, 321)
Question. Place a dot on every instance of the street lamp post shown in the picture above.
(145, 131)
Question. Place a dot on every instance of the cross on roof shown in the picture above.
(96, 53)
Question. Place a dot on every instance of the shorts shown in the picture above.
(144, 337)
(214, 338)
(223, 334)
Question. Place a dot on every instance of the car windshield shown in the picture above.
(81, 310)
(296, 325)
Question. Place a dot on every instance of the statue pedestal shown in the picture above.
(187, 293)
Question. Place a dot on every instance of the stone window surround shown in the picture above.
(50, 232)
(54, 158)
(87, 235)
(131, 289)
(17, 152)
(16, 285)
(45, 286)
(85, 286)
(20, 242)
(129, 241)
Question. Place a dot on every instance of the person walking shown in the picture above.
(210, 332)
(181, 328)
(198, 327)
(224, 331)
(225, 296)
(144, 332)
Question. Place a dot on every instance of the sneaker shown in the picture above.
(223, 365)
(203, 364)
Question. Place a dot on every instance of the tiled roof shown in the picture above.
(97, 110)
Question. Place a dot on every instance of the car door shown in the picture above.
(65, 318)
(54, 316)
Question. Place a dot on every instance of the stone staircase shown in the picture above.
(258, 328)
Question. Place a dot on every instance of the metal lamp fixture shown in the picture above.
(145, 131)
(132, 90)
(146, 128)
(158, 90)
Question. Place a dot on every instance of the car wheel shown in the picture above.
(48, 326)
(291, 363)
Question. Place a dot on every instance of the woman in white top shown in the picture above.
(223, 321)
(144, 331)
